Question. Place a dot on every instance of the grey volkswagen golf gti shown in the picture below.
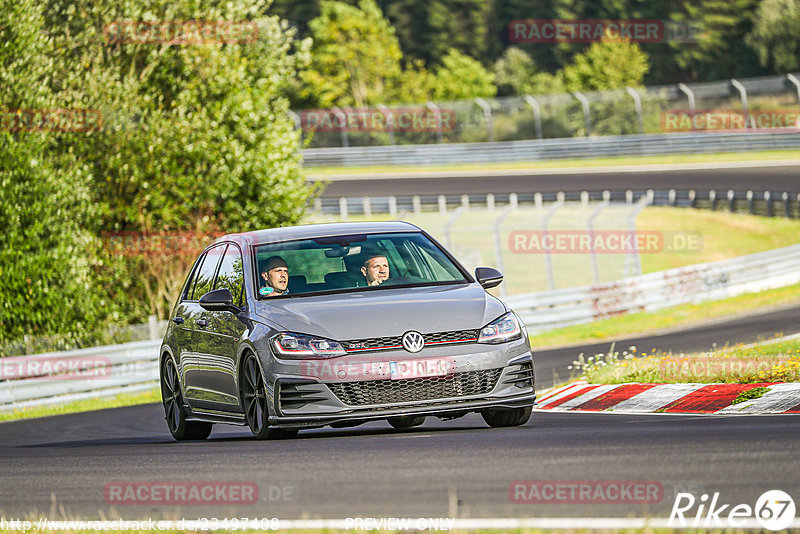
(378, 322)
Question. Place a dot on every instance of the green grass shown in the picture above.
(125, 399)
(777, 361)
(676, 316)
(773, 155)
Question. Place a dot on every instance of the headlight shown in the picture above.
(506, 328)
(291, 345)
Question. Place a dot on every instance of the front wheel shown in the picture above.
(255, 402)
(500, 417)
(179, 427)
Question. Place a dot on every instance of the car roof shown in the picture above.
(309, 231)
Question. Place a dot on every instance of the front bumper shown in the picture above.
(480, 377)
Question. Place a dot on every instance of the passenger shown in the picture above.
(375, 269)
(276, 275)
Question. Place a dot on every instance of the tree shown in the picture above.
(460, 76)
(355, 55)
(516, 74)
(607, 65)
(774, 35)
(46, 267)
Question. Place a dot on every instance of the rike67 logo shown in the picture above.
(774, 510)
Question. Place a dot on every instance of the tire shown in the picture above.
(256, 404)
(172, 398)
(406, 421)
(507, 416)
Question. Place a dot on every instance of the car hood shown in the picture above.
(384, 312)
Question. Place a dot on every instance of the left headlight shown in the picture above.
(505, 328)
(301, 346)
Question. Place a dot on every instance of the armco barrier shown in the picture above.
(61, 377)
(133, 367)
(653, 291)
(546, 149)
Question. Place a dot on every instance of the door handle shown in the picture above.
(202, 323)
(177, 320)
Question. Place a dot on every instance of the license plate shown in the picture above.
(421, 368)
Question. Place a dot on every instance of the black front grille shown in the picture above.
(416, 389)
(395, 342)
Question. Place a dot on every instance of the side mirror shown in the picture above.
(218, 300)
(488, 277)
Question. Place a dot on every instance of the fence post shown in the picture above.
(732, 200)
(637, 104)
(786, 211)
(438, 114)
(692, 197)
(449, 225)
(587, 121)
(690, 95)
(490, 202)
(152, 325)
(750, 203)
(584, 199)
(537, 113)
(389, 121)
(487, 115)
(712, 197)
(537, 200)
(393, 206)
(417, 203)
(465, 202)
(498, 245)
(792, 78)
(548, 258)
(367, 206)
(743, 95)
(673, 197)
(513, 200)
(590, 228)
(768, 200)
(628, 197)
(342, 207)
(442, 201)
(342, 124)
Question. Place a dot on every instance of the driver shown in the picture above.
(375, 269)
(276, 275)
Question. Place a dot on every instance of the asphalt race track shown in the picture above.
(442, 469)
(777, 178)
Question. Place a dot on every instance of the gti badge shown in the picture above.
(413, 341)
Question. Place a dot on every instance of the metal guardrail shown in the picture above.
(62, 377)
(703, 282)
(547, 149)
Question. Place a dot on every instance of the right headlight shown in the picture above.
(301, 346)
(505, 328)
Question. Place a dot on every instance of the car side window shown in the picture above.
(231, 275)
(205, 276)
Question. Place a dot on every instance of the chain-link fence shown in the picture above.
(765, 103)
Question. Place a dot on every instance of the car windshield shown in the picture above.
(352, 263)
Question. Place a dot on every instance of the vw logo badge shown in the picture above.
(413, 341)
